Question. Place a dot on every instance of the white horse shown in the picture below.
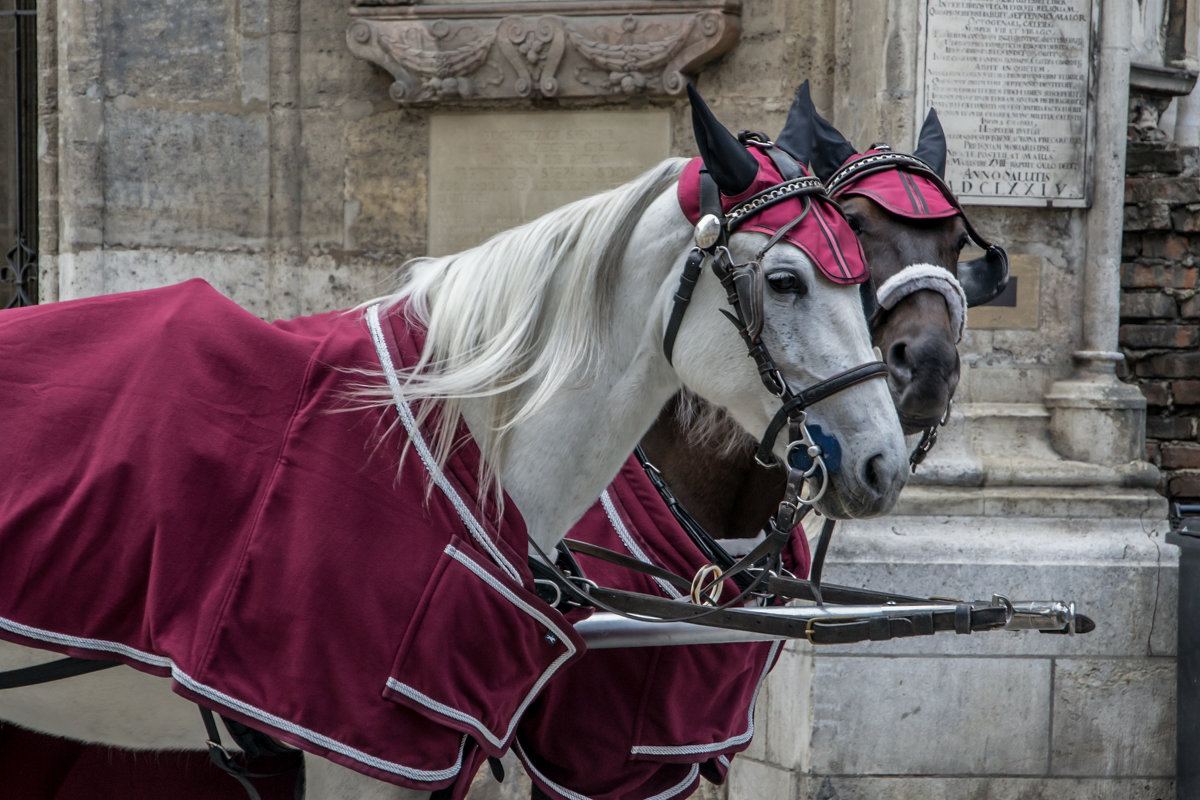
(548, 341)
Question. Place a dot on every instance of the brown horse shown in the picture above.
(718, 482)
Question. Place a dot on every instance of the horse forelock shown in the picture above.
(521, 316)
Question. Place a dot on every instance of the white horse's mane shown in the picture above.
(529, 308)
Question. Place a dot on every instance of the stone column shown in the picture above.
(1093, 416)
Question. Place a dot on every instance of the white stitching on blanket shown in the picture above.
(418, 441)
(185, 680)
(462, 716)
(666, 794)
(631, 545)
(695, 749)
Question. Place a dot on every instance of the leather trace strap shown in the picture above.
(52, 671)
(712, 549)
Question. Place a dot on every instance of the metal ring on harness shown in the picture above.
(706, 585)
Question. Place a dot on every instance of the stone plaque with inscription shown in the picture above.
(1010, 80)
(492, 171)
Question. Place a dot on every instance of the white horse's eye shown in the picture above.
(784, 282)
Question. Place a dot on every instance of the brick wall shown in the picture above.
(1160, 307)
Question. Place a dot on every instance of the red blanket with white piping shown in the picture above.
(191, 491)
(641, 723)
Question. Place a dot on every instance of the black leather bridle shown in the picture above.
(744, 287)
(982, 278)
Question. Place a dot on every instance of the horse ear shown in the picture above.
(931, 144)
(730, 164)
(812, 140)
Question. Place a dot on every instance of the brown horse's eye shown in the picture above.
(962, 241)
(784, 282)
(855, 224)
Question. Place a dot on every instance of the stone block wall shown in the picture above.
(1160, 307)
(243, 142)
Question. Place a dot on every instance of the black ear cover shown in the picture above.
(811, 139)
(931, 144)
(727, 160)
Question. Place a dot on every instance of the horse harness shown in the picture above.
(978, 280)
(759, 574)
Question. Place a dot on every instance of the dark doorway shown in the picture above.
(18, 153)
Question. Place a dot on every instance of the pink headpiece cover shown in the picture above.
(823, 235)
(898, 191)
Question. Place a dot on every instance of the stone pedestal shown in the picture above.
(1098, 419)
(950, 716)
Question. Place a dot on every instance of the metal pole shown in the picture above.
(19, 256)
(605, 631)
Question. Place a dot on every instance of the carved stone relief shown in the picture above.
(448, 53)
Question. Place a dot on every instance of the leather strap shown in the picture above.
(818, 562)
(68, 667)
(712, 549)
(628, 562)
(788, 167)
(224, 760)
(683, 296)
(814, 394)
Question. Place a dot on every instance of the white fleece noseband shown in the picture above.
(916, 277)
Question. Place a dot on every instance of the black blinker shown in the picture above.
(985, 277)
(870, 302)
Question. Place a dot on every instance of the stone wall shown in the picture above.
(242, 141)
(1160, 308)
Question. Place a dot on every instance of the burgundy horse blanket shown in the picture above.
(195, 493)
(648, 722)
(192, 491)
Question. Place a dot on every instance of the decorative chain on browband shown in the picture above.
(797, 187)
(879, 161)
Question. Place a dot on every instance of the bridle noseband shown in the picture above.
(978, 280)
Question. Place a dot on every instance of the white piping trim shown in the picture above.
(742, 738)
(418, 442)
(188, 682)
(666, 794)
(90, 644)
(916, 277)
(631, 545)
(495, 739)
